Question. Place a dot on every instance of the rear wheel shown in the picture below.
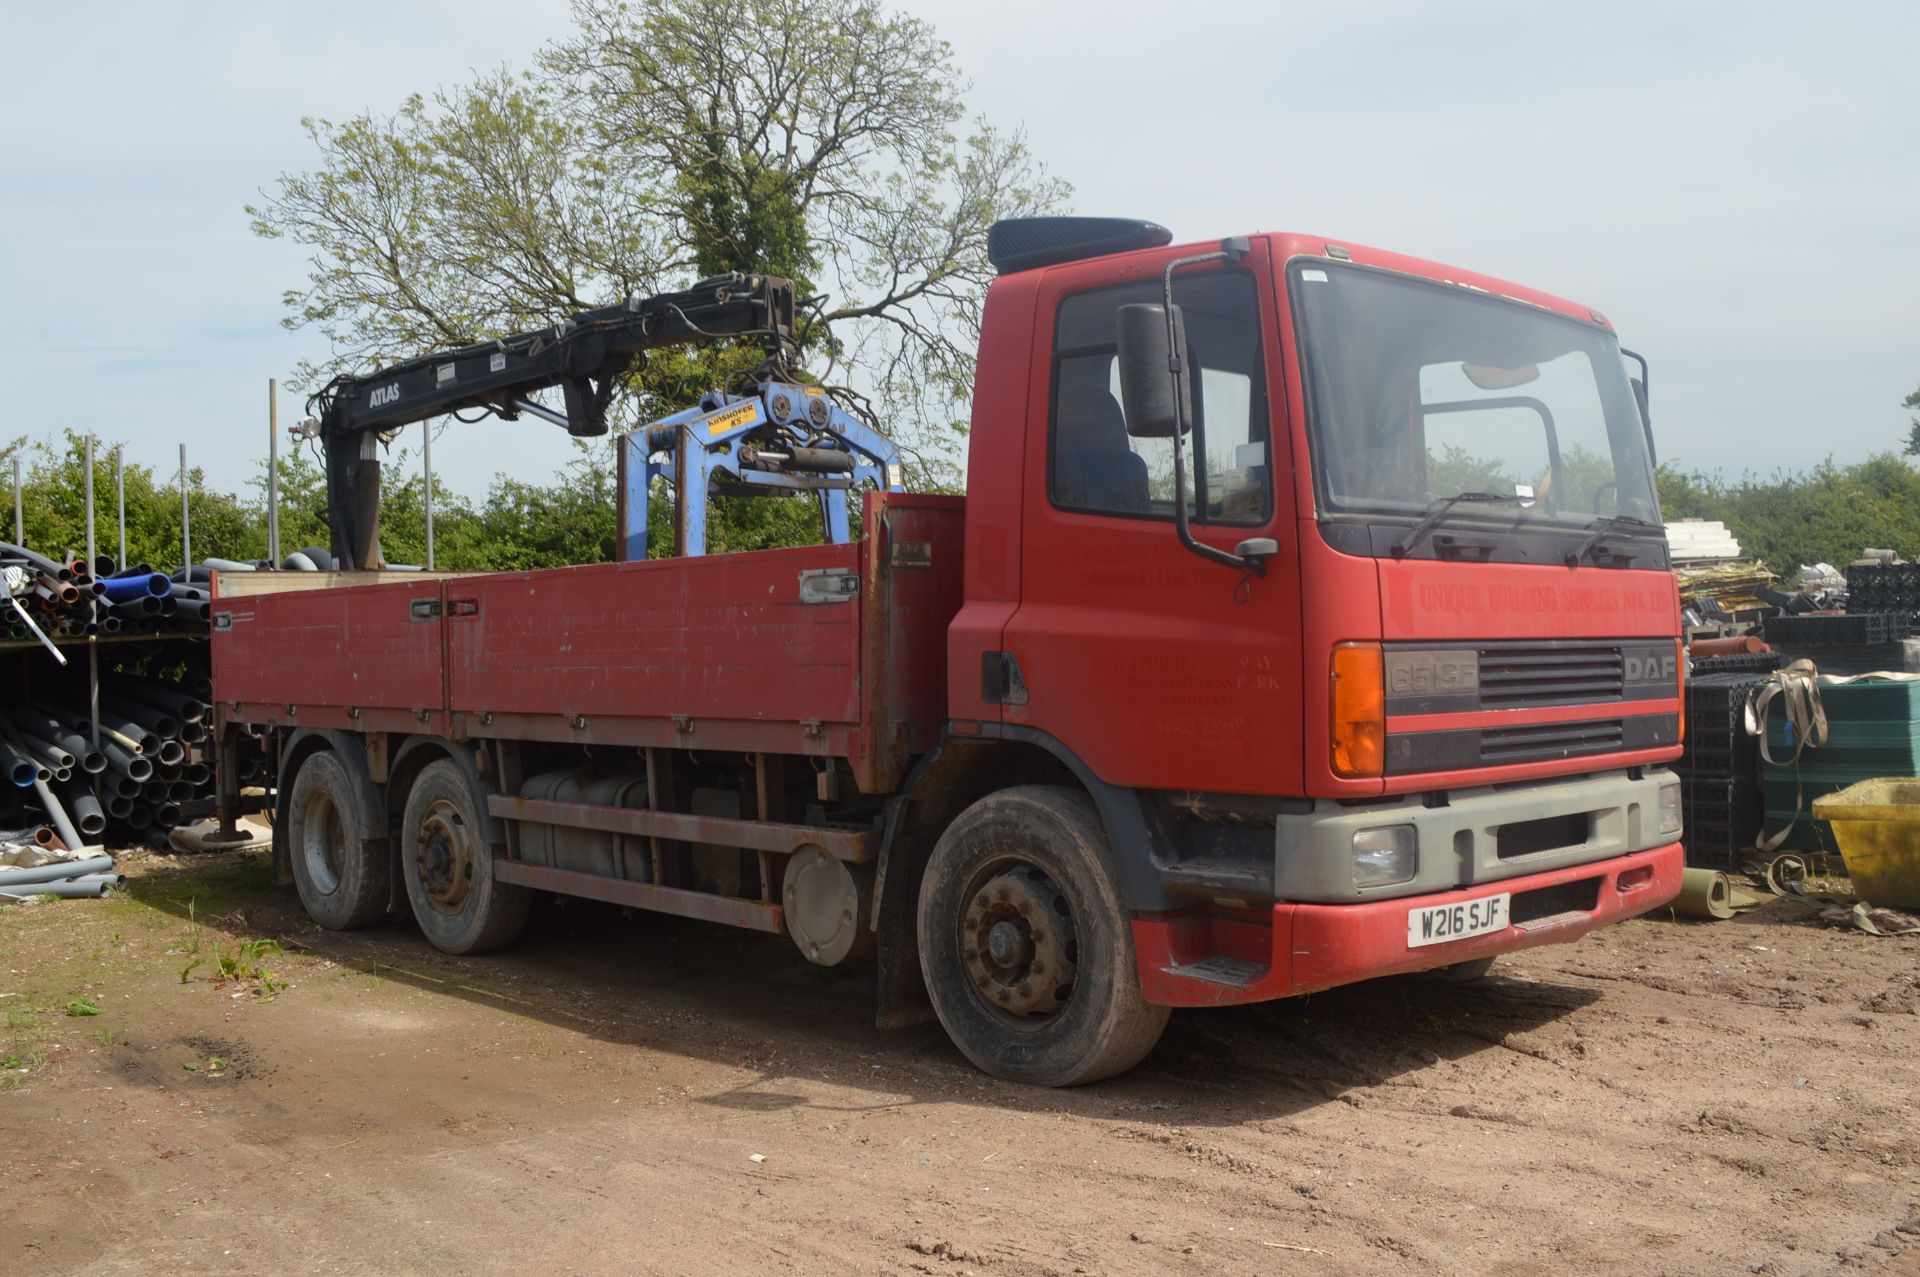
(1025, 944)
(459, 904)
(341, 876)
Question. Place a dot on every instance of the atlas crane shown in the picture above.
(783, 437)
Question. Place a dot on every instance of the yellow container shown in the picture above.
(1877, 824)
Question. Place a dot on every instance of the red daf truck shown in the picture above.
(1393, 688)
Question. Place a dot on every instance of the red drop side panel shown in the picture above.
(330, 650)
(697, 652)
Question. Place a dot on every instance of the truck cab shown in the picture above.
(1431, 724)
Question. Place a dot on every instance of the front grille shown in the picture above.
(1551, 740)
(1550, 833)
(1560, 674)
(1547, 902)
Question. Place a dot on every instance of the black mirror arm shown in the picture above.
(1231, 250)
(1640, 400)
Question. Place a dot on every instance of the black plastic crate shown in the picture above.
(1716, 706)
(1734, 787)
(1836, 631)
(1884, 587)
(1722, 821)
(1710, 758)
(1854, 658)
(1738, 663)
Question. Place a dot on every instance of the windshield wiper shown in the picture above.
(1438, 511)
(1600, 529)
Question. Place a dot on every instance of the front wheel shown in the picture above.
(1025, 944)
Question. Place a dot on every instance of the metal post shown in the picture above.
(426, 434)
(90, 549)
(273, 471)
(19, 528)
(186, 522)
(120, 496)
(93, 645)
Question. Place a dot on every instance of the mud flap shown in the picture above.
(902, 1000)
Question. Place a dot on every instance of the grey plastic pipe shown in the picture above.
(11, 876)
(87, 888)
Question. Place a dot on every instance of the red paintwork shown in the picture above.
(1305, 948)
(1134, 651)
(1348, 598)
(331, 649)
(1520, 717)
(1424, 782)
(722, 638)
(996, 473)
(1430, 599)
(714, 653)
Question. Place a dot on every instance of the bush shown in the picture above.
(1828, 514)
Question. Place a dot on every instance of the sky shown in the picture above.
(1733, 184)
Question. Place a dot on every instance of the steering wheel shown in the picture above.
(1608, 491)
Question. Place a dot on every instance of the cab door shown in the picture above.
(1157, 668)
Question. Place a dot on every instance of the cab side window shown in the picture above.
(1095, 466)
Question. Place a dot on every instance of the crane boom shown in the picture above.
(584, 355)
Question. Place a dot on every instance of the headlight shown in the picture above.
(1670, 808)
(1383, 857)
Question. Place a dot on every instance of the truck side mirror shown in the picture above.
(1147, 383)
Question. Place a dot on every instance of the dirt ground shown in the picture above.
(637, 1094)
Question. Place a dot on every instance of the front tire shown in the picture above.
(1025, 942)
(1470, 972)
(458, 903)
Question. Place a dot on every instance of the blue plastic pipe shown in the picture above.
(121, 589)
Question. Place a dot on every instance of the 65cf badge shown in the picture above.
(1432, 672)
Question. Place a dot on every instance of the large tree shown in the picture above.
(1912, 403)
(663, 140)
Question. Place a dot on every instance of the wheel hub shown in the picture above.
(1009, 945)
(445, 858)
(1018, 942)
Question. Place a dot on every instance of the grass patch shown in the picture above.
(176, 922)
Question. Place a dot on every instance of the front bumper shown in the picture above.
(1460, 843)
(1219, 956)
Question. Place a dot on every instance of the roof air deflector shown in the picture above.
(1025, 243)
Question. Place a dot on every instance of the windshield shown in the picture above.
(1420, 391)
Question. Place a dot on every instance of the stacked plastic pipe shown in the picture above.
(73, 598)
(149, 764)
(140, 770)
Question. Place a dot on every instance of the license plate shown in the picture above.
(1438, 924)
